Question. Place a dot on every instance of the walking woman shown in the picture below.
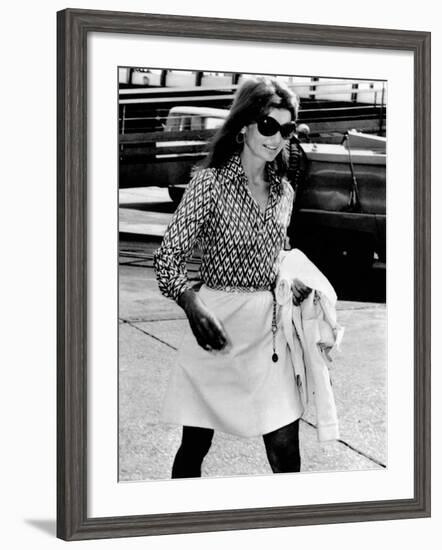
(233, 371)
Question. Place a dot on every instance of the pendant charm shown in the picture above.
(275, 357)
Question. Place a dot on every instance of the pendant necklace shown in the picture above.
(274, 327)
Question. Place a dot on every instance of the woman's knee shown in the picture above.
(197, 440)
(195, 444)
(282, 448)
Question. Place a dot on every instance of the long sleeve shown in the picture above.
(183, 233)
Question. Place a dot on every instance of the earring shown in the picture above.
(240, 138)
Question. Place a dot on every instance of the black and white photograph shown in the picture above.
(219, 239)
(243, 280)
(252, 303)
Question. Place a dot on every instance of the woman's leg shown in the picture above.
(195, 444)
(282, 448)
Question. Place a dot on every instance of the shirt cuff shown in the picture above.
(179, 289)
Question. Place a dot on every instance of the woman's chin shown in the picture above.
(270, 154)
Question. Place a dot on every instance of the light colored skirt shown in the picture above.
(241, 391)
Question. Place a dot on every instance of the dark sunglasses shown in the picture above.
(268, 126)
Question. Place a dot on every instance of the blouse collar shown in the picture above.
(234, 169)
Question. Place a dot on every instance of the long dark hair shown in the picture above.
(254, 98)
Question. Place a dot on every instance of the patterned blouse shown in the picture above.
(239, 242)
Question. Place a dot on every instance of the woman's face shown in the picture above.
(266, 148)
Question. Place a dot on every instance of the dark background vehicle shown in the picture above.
(166, 157)
(339, 217)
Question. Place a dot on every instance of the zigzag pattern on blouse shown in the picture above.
(239, 242)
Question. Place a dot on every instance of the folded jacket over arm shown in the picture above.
(310, 330)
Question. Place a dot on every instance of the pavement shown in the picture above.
(150, 330)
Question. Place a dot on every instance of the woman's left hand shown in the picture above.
(300, 291)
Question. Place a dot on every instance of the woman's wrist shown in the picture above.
(186, 298)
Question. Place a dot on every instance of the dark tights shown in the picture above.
(195, 444)
(282, 447)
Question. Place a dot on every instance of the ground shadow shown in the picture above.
(48, 526)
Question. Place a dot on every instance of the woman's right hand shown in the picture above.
(207, 329)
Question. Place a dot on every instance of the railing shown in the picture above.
(361, 91)
(322, 102)
(167, 79)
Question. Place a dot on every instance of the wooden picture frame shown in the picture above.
(74, 26)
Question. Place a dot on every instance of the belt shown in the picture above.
(231, 288)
